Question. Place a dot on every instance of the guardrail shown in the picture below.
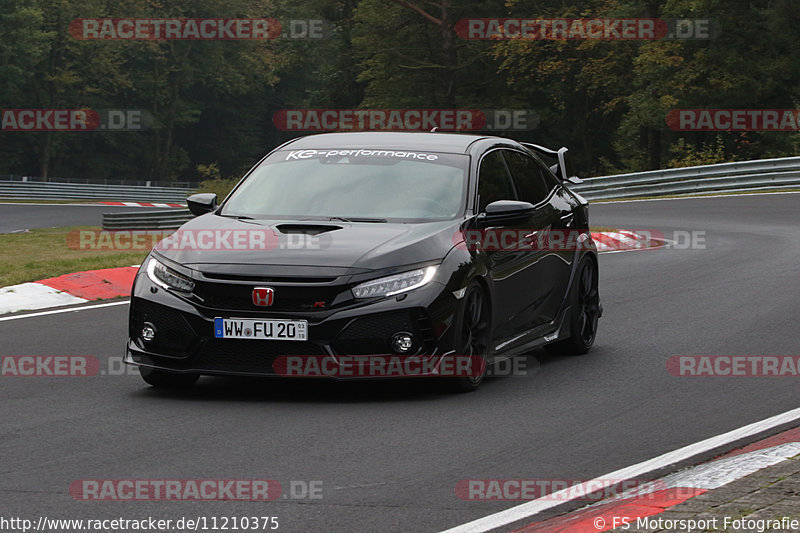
(779, 173)
(147, 219)
(75, 191)
(99, 181)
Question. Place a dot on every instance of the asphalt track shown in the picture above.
(19, 217)
(389, 454)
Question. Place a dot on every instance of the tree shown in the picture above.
(411, 56)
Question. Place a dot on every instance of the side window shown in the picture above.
(549, 178)
(494, 181)
(531, 183)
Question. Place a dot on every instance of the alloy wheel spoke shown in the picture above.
(589, 305)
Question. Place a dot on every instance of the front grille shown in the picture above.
(239, 297)
(267, 279)
(240, 355)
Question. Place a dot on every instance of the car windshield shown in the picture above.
(353, 185)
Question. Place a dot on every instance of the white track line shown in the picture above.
(525, 510)
(57, 311)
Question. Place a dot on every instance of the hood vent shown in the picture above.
(306, 229)
(269, 279)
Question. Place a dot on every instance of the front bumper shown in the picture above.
(185, 341)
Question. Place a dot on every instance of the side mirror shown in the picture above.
(575, 180)
(202, 203)
(503, 210)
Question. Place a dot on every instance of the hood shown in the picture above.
(214, 243)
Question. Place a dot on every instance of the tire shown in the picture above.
(473, 334)
(584, 312)
(161, 379)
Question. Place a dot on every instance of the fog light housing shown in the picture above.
(402, 342)
(148, 332)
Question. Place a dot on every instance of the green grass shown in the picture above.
(45, 253)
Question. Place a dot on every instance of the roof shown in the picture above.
(427, 141)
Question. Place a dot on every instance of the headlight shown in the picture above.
(391, 285)
(164, 276)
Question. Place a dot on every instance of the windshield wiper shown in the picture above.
(238, 217)
(357, 219)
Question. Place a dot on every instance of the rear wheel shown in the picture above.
(584, 312)
(472, 329)
(167, 380)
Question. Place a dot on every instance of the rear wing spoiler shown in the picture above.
(560, 168)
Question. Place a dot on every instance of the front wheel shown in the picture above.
(584, 312)
(473, 334)
(167, 380)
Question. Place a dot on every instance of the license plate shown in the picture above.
(246, 328)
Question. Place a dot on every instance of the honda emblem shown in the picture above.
(263, 296)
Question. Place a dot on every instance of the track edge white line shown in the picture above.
(528, 509)
(65, 310)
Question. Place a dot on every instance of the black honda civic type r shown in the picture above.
(363, 255)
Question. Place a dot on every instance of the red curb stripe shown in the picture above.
(95, 284)
(142, 204)
(641, 506)
(792, 435)
(610, 241)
